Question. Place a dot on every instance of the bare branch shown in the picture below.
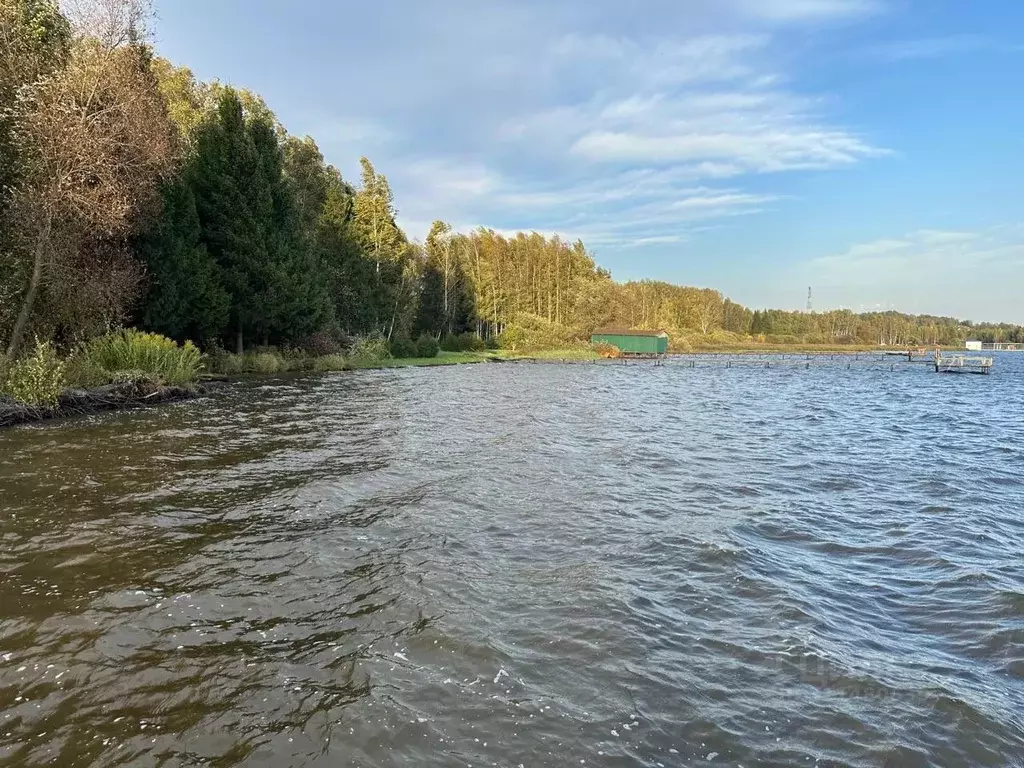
(114, 23)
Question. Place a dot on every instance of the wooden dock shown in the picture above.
(918, 355)
(962, 364)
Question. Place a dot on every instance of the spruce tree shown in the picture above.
(186, 298)
(234, 207)
(297, 301)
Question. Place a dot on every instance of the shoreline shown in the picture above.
(110, 397)
(141, 394)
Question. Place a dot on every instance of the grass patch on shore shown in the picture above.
(274, 362)
(146, 354)
(567, 353)
(443, 358)
(40, 378)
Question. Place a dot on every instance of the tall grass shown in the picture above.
(330, 363)
(369, 351)
(264, 361)
(146, 353)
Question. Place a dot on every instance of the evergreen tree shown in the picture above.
(186, 298)
(381, 239)
(430, 317)
(350, 273)
(235, 207)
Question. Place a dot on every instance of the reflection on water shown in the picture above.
(536, 565)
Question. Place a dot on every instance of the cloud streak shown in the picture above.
(804, 10)
(622, 128)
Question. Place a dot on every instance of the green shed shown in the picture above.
(633, 343)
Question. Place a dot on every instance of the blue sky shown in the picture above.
(872, 149)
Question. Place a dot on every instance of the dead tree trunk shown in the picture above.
(38, 261)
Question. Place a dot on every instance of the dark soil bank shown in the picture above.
(75, 402)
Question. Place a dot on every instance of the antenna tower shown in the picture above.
(809, 303)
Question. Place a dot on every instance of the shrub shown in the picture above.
(540, 333)
(607, 351)
(150, 353)
(295, 359)
(680, 343)
(227, 363)
(330, 363)
(427, 346)
(321, 344)
(463, 342)
(263, 362)
(401, 347)
(36, 380)
(366, 351)
(512, 337)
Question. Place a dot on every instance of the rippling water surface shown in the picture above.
(524, 565)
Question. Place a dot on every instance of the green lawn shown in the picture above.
(443, 358)
(569, 353)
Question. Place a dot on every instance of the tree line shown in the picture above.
(133, 194)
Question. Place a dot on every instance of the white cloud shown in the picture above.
(718, 201)
(658, 240)
(753, 150)
(799, 10)
(967, 274)
(918, 257)
(726, 118)
(661, 61)
(452, 179)
(587, 117)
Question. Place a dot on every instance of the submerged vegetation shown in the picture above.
(134, 195)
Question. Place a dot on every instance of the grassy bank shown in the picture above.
(124, 369)
(567, 353)
(40, 379)
(442, 358)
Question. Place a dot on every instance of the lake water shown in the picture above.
(524, 565)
